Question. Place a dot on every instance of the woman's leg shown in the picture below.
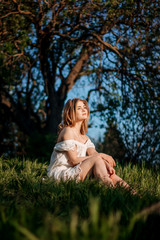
(117, 180)
(99, 169)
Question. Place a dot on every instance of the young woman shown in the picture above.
(74, 155)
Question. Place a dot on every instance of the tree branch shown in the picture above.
(96, 90)
(109, 46)
(74, 73)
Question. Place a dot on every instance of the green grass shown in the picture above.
(33, 208)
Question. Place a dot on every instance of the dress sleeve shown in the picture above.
(65, 146)
(90, 144)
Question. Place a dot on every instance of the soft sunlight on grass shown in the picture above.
(35, 207)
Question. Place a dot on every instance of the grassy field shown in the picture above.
(34, 207)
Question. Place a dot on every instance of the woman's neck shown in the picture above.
(79, 137)
(77, 127)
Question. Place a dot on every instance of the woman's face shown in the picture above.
(81, 111)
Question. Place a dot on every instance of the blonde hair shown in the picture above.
(69, 115)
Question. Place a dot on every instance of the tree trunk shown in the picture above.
(57, 98)
(54, 114)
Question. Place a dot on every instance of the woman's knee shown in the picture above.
(99, 162)
(99, 166)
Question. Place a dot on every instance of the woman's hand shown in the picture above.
(108, 158)
(110, 169)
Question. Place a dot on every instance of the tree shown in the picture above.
(113, 143)
(47, 46)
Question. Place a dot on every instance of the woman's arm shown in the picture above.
(108, 158)
(73, 159)
(91, 151)
(68, 134)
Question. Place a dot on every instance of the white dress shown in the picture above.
(59, 167)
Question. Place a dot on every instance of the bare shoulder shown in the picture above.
(66, 134)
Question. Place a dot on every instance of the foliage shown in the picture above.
(40, 146)
(34, 207)
(46, 47)
(113, 144)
